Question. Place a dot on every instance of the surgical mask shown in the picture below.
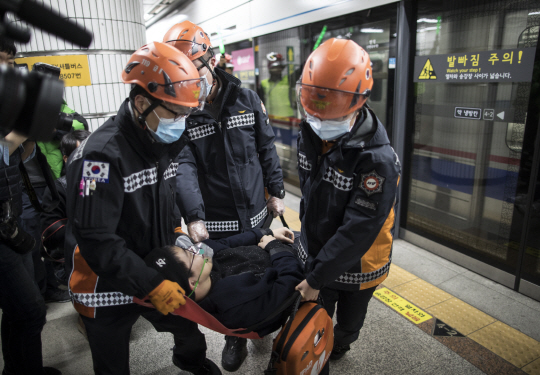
(208, 86)
(168, 130)
(328, 130)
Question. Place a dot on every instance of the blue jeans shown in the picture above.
(23, 315)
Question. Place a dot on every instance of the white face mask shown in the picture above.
(208, 86)
(328, 130)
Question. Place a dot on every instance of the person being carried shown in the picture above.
(240, 280)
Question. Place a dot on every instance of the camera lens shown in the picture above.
(65, 122)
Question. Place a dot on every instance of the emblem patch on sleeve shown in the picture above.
(372, 183)
(263, 107)
(96, 170)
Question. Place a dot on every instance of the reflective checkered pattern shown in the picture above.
(301, 252)
(79, 150)
(201, 131)
(222, 226)
(140, 179)
(170, 171)
(101, 299)
(338, 180)
(303, 162)
(257, 218)
(241, 120)
(359, 278)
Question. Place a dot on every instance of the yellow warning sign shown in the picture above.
(402, 306)
(427, 71)
(74, 69)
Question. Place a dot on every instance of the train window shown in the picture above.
(472, 95)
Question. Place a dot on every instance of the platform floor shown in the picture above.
(477, 326)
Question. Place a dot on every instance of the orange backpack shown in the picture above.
(305, 342)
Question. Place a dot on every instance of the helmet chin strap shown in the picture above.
(142, 116)
(205, 63)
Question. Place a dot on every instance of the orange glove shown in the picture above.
(167, 297)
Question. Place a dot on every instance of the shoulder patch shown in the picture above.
(263, 107)
(371, 183)
(96, 170)
(365, 203)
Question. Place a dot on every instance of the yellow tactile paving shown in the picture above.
(532, 368)
(291, 217)
(461, 316)
(508, 343)
(398, 276)
(421, 293)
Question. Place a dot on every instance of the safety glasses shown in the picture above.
(325, 103)
(189, 47)
(190, 93)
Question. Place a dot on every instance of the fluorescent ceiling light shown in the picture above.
(427, 29)
(427, 20)
(370, 30)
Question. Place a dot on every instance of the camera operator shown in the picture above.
(23, 308)
(51, 163)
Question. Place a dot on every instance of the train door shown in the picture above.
(280, 59)
(473, 85)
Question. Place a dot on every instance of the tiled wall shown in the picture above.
(118, 28)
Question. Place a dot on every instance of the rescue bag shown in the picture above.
(305, 342)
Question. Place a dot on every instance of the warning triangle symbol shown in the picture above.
(427, 71)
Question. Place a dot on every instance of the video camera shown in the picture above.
(30, 101)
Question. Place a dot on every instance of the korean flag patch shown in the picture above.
(372, 183)
(96, 170)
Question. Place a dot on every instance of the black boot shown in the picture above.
(234, 353)
(339, 351)
(208, 367)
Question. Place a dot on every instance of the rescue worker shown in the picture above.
(121, 205)
(222, 176)
(276, 91)
(349, 177)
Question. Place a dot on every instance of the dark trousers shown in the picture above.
(109, 339)
(23, 315)
(31, 223)
(351, 312)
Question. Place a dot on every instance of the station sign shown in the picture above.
(509, 65)
(74, 69)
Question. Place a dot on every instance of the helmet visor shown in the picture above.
(190, 48)
(189, 95)
(326, 104)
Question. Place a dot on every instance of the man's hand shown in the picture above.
(284, 235)
(197, 231)
(265, 240)
(275, 206)
(308, 293)
(167, 297)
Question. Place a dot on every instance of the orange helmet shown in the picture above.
(166, 74)
(336, 79)
(189, 38)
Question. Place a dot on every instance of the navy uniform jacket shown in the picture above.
(131, 212)
(222, 174)
(347, 206)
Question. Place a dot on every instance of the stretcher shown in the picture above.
(192, 311)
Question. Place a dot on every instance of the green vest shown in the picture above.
(276, 96)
